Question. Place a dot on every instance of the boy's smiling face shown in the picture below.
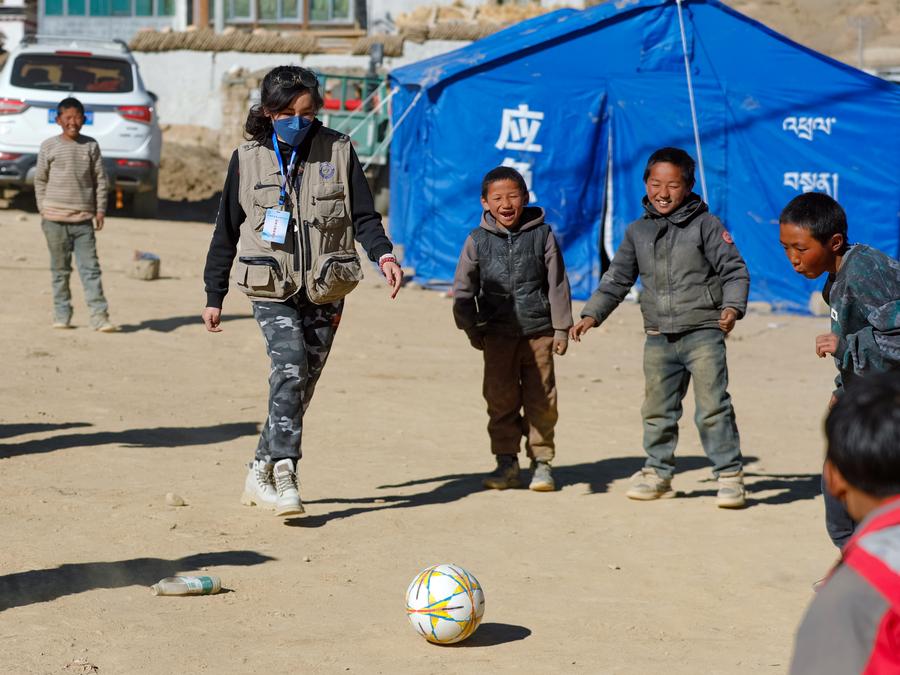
(505, 201)
(666, 187)
(71, 120)
(809, 256)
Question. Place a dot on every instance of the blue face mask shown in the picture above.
(292, 130)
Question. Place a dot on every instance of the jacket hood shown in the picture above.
(693, 206)
(532, 216)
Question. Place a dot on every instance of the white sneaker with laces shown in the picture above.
(288, 500)
(259, 486)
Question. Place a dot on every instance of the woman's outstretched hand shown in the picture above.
(394, 276)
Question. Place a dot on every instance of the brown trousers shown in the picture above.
(518, 375)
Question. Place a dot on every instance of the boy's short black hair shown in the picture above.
(68, 103)
(675, 156)
(863, 430)
(818, 213)
(504, 173)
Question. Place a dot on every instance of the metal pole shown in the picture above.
(219, 24)
(860, 42)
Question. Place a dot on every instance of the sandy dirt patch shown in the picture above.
(96, 429)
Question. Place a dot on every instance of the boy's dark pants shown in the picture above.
(670, 361)
(298, 335)
(519, 375)
(838, 522)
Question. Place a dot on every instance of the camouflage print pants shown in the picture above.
(298, 338)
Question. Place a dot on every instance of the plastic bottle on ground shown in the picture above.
(185, 585)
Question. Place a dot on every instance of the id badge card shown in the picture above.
(275, 226)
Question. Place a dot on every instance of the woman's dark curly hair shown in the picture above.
(279, 87)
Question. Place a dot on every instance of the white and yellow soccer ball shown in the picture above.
(444, 603)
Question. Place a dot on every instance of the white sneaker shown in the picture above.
(288, 500)
(259, 486)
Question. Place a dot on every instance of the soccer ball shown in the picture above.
(444, 603)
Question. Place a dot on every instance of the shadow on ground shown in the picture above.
(10, 430)
(492, 634)
(200, 211)
(792, 487)
(157, 437)
(25, 588)
(597, 476)
(175, 322)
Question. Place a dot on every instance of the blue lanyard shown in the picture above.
(284, 177)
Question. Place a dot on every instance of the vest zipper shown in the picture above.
(260, 260)
(296, 245)
(328, 264)
(512, 275)
(306, 246)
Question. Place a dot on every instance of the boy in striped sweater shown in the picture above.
(70, 188)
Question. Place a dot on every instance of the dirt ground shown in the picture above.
(95, 429)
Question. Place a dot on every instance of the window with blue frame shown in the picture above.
(111, 8)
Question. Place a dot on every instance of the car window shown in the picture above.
(72, 73)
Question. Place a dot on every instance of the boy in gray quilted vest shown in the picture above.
(511, 296)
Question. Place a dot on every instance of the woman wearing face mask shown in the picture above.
(295, 202)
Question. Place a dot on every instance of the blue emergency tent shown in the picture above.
(577, 100)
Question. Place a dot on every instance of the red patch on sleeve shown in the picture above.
(727, 237)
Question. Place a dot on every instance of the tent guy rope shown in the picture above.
(687, 72)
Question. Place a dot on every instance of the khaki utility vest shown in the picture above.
(318, 253)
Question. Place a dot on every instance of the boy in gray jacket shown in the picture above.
(695, 287)
(511, 297)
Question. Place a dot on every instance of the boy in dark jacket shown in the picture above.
(863, 291)
(511, 296)
(695, 287)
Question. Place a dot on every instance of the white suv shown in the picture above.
(120, 113)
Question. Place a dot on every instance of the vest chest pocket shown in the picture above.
(263, 277)
(265, 196)
(328, 202)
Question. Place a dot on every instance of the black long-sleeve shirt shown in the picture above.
(367, 226)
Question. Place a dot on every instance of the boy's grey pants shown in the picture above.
(670, 361)
(62, 240)
(298, 338)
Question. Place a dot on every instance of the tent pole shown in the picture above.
(687, 72)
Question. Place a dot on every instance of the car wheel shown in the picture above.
(145, 204)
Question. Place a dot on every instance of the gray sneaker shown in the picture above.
(541, 477)
(288, 501)
(646, 485)
(506, 475)
(731, 494)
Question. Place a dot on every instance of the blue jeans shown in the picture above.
(62, 240)
(670, 361)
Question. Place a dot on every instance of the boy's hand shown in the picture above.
(98, 221)
(727, 319)
(560, 346)
(582, 327)
(211, 317)
(826, 344)
(393, 275)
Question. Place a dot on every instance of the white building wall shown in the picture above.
(188, 84)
